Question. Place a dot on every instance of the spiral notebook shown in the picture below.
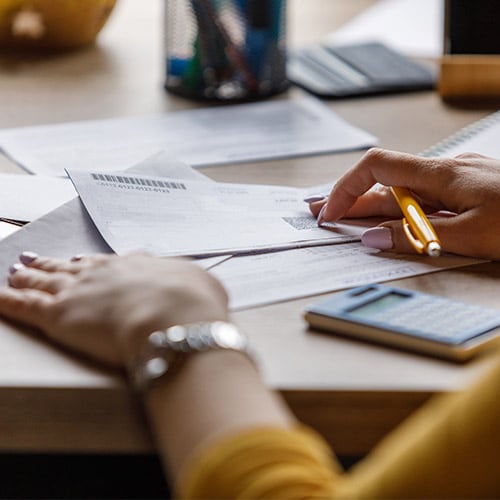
(481, 137)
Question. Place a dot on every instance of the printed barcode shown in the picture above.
(137, 181)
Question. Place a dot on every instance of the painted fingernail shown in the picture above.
(77, 257)
(313, 199)
(15, 267)
(28, 257)
(320, 215)
(378, 237)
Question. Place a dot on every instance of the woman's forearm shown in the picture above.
(215, 394)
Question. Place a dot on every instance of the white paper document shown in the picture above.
(28, 197)
(200, 137)
(192, 218)
(275, 277)
(68, 230)
(414, 27)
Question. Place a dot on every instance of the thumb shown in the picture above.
(390, 236)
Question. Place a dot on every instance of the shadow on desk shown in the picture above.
(59, 476)
(81, 476)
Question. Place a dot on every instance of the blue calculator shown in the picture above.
(410, 320)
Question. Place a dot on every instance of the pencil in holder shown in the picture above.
(226, 50)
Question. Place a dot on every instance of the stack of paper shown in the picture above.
(250, 280)
(165, 207)
(173, 217)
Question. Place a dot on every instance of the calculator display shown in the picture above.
(380, 304)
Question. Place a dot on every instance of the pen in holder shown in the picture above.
(226, 50)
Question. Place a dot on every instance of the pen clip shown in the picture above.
(415, 243)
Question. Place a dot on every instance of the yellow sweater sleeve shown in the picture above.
(264, 463)
(449, 449)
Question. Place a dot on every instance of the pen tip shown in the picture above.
(434, 249)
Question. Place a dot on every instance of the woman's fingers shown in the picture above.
(48, 264)
(23, 277)
(461, 234)
(28, 306)
(49, 274)
(42, 310)
(377, 201)
(425, 176)
(51, 264)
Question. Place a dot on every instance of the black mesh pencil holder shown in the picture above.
(226, 50)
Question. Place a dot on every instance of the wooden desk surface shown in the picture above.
(352, 392)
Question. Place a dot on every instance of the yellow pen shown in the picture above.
(416, 225)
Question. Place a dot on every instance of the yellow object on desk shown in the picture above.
(470, 76)
(52, 24)
(416, 225)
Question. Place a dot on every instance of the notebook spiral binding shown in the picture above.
(463, 134)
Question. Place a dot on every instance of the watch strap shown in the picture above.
(165, 351)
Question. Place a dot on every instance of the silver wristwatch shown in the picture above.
(166, 350)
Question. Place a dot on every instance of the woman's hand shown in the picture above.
(103, 306)
(468, 186)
